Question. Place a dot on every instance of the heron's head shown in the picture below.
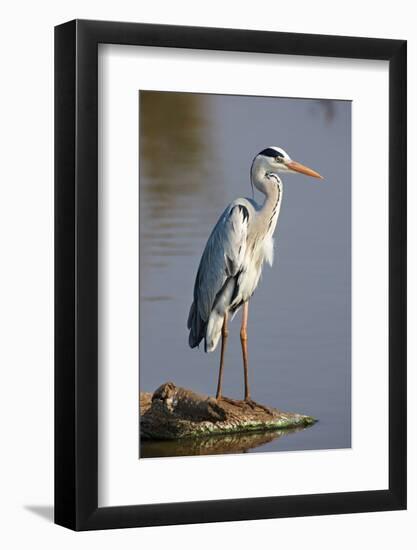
(274, 160)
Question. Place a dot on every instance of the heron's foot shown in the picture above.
(254, 405)
(228, 400)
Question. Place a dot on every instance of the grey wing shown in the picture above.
(221, 261)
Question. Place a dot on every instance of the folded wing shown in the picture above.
(220, 264)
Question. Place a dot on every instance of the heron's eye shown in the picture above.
(279, 159)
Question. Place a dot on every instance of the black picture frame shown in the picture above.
(76, 272)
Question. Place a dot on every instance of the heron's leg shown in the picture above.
(244, 342)
(225, 334)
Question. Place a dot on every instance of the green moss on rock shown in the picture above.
(173, 412)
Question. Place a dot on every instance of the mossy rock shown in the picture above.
(173, 412)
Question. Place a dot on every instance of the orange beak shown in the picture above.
(297, 167)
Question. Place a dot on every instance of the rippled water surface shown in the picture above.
(195, 156)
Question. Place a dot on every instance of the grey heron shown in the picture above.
(232, 261)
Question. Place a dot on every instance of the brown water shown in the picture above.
(196, 152)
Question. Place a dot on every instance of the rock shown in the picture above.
(173, 412)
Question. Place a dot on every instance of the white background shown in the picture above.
(26, 204)
(122, 478)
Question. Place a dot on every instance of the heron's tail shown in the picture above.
(196, 326)
(211, 329)
(199, 329)
(214, 330)
(216, 319)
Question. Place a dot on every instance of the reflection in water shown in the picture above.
(214, 445)
(177, 170)
(327, 107)
(170, 137)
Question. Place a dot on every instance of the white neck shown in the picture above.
(268, 183)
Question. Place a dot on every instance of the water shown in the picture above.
(195, 156)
